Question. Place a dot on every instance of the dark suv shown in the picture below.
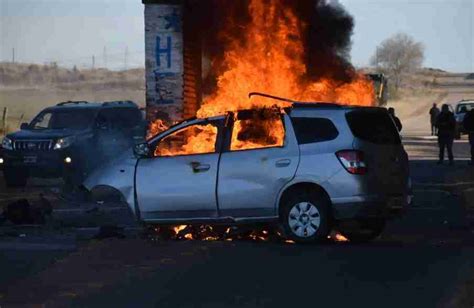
(69, 140)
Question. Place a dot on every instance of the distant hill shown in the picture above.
(18, 75)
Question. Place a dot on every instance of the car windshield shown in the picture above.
(463, 108)
(75, 119)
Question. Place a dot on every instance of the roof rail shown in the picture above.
(72, 103)
(295, 104)
(130, 103)
(315, 105)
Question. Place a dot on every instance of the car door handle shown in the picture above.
(283, 163)
(198, 167)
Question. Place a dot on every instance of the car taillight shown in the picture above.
(353, 161)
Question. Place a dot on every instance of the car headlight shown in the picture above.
(63, 143)
(7, 143)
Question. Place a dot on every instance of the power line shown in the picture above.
(105, 57)
(126, 58)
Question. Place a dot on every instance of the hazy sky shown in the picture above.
(72, 31)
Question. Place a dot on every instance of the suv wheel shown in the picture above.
(15, 178)
(368, 230)
(305, 217)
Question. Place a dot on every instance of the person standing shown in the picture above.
(396, 120)
(469, 127)
(446, 126)
(434, 113)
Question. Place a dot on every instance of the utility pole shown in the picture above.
(126, 58)
(93, 62)
(13, 55)
(105, 57)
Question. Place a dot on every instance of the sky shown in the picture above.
(73, 32)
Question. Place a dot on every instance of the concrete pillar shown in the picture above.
(164, 59)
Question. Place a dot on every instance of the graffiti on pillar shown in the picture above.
(164, 42)
(173, 21)
(164, 59)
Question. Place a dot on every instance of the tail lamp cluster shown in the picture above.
(353, 161)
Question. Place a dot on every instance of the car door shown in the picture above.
(179, 181)
(256, 166)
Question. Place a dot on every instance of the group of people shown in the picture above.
(443, 124)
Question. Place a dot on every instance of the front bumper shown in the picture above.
(40, 164)
(371, 207)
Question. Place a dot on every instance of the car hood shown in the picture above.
(45, 134)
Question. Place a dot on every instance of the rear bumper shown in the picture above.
(371, 207)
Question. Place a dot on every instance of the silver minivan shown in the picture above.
(309, 168)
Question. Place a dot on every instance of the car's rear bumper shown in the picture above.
(371, 207)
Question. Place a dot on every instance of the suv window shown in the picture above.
(191, 140)
(464, 108)
(312, 130)
(374, 126)
(257, 129)
(118, 118)
(76, 119)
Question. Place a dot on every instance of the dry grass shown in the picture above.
(27, 89)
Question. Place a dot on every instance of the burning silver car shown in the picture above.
(308, 168)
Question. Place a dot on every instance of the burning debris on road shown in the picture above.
(225, 233)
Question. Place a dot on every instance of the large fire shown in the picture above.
(270, 59)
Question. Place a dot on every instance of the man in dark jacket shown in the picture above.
(434, 113)
(446, 125)
(469, 127)
(396, 120)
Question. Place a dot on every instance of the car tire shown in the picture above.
(368, 231)
(15, 177)
(305, 216)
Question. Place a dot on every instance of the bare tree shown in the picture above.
(397, 56)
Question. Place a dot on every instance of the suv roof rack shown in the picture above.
(296, 104)
(129, 103)
(316, 104)
(72, 103)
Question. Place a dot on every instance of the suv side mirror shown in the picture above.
(24, 126)
(142, 150)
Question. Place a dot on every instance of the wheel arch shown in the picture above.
(106, 193)
(301, 185)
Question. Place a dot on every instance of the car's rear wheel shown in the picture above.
(368, 230)
(305, 216)
(15, 177)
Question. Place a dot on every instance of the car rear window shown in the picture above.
(374, 126)
(312, 130)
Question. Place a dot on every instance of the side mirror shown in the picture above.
(141, 150)
(24, 126)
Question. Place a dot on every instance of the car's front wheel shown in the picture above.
(305, 216)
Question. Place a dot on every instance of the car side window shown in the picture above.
(118, 118)
(313, 130)
(195, 139)
(257, 130)
(43, 121)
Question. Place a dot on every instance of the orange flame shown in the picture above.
(271, 60)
